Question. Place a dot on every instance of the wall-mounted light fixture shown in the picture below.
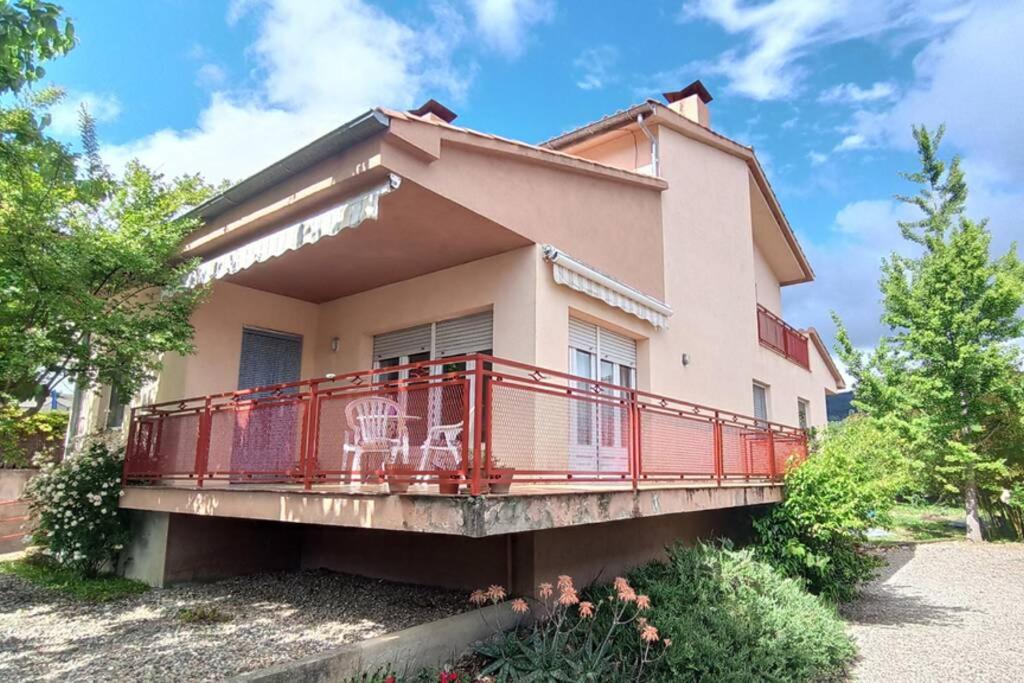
(334, 344)
(686, 359)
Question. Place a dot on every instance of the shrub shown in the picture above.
(731, 617)
(24, 437)
(76, 507)
(847, 485)
(573, 639)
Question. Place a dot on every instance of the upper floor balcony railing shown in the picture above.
(776, 334)
(476, 422)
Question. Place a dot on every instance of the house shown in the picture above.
(405, 302)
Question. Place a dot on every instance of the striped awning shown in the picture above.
(582, 278)
(347, 214)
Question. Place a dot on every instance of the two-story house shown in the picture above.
(406, 305)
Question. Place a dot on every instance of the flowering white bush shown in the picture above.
(76, 507)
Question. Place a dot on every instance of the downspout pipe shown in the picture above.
(654, 143)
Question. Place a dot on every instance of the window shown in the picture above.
(269, 358)
(115, 410)
(803, 409)
(760, 401)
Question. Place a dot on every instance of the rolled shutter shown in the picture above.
(582, 336)
(617, 348)
(407, 342)
(614, 346)
(269, 358)
(461, 336)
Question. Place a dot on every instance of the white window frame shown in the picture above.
(766, 388)
(806, 405)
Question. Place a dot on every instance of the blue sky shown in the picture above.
(824, 91)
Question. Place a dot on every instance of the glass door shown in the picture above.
(583, 418)
(613, 420)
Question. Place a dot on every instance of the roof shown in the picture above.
(360, 128)
(537, 151)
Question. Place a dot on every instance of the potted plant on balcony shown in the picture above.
(448, 482)
(500, 478)
(399, 476)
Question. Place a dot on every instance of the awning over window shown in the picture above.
(347, 214)
(581, 277)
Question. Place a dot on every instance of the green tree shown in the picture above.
(946, 369)
(30, 32)
(92, 284)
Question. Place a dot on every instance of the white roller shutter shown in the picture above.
(461, 336)
(617, 348)
(582, 336)
(606, 344)
(407, 342)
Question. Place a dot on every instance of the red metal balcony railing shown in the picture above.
(474, 420)
(779, 336)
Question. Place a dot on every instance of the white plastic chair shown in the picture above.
(376, 425)
(442, 448)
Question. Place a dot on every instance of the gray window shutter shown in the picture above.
(617, 348)
(269, 358)
(582, 336)
(407, 342)
(466, 335)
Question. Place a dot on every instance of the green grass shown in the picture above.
(52, 577)
(923, 523)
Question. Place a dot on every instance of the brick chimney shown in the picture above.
(432, 110)
(691, 102)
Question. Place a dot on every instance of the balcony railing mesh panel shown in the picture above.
(550, 433)
(676, 445)
(166, 445)
(256, 441)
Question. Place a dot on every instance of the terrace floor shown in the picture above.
(528, 507)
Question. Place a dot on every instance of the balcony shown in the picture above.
(473, 424)
(774, 333)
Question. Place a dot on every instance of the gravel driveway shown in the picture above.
(948, 611)
(275, 617)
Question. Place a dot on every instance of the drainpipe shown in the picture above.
(654, 142)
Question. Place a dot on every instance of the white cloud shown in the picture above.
(851, 93)
(596, 67)
(851, 142)
(504, 23)
(817, 158)
(210, 76)
(319, 64)
(783, 32)
(970, 80)
(65, 114)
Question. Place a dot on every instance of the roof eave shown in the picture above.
(360, 128)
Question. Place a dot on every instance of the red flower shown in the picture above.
(390, 679)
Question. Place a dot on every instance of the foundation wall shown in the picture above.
(171, 548)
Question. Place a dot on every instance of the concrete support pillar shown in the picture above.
(170, 548)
